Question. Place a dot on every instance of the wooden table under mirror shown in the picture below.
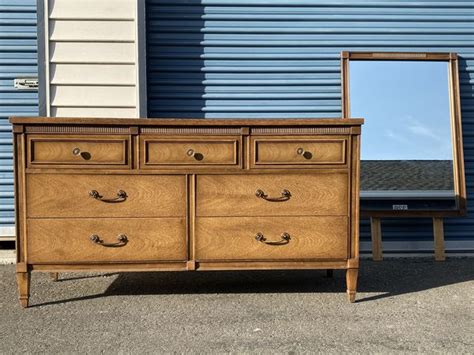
(412, 161)
(186, 195)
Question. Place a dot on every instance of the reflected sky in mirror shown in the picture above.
(406, 139)
(406, 107)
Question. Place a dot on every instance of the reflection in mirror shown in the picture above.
(407, 153)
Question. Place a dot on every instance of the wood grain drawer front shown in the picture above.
(239, 195)
(84, 151)
(69, 240)
(271, 238)
(61, 195)
(177, 152)
(298, 151)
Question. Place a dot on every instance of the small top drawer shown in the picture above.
(298, 151)
(207, 151)
(109, 152)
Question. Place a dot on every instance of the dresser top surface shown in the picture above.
(185, 122)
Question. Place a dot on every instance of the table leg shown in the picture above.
(438, 231)
(376, 234)
(351, 281)
(23, 280)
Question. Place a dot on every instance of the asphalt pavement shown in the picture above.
(403, 305)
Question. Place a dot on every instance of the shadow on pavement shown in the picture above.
(385, 279)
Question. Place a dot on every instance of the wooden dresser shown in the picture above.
(165, 194)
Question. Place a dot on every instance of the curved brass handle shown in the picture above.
(121, 241)
(285, 196)
(305, 154)
(121, 196)
(285, 239)
(193, 154)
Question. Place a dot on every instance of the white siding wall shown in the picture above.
(91, 53)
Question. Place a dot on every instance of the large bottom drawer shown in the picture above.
(271, 238)
(106, 240)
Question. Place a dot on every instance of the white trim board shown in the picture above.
(103, 37)
(7, 233)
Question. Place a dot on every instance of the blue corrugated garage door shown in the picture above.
(280, 58)
(17, 59)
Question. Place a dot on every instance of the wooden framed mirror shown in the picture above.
(412, 152)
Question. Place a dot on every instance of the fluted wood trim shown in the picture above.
(298, 130)
(77, 129)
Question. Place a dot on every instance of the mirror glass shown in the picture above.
(407, 153)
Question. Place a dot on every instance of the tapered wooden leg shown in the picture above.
(351, 281)
(23, 280)
(376, 234)
(54, 276)
(438, 231)
(329, 273)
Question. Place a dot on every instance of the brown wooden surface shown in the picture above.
(351, 281)
(354, 188)
(170, 214)
(234, 195)
(94, 151)
(147, 195)
(438, 232)
(179, 122)
(174, 151)
(200, 266)
(23, 281)
(187, 170)
(271, 265)
(233, 238)
(284, 151)
(190, 216)
(67, 240)
(123, 266)
(456, 136)
(400, 56)
(19, 156)
(376, 235)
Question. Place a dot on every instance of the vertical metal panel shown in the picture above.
(280, 59)
(18, 59)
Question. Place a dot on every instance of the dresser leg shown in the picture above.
(351, 281)
(23, 280)
(54, 276)
(438, 231)
(376, 235)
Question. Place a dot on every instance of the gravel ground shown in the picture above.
(404, 305)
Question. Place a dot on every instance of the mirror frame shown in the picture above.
(456, 127)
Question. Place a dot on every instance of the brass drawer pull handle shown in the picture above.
(285, 196)
(121, 241)
(305, 154)
(121, 196)
(193, 154)
(285, 239)
(84, 155)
